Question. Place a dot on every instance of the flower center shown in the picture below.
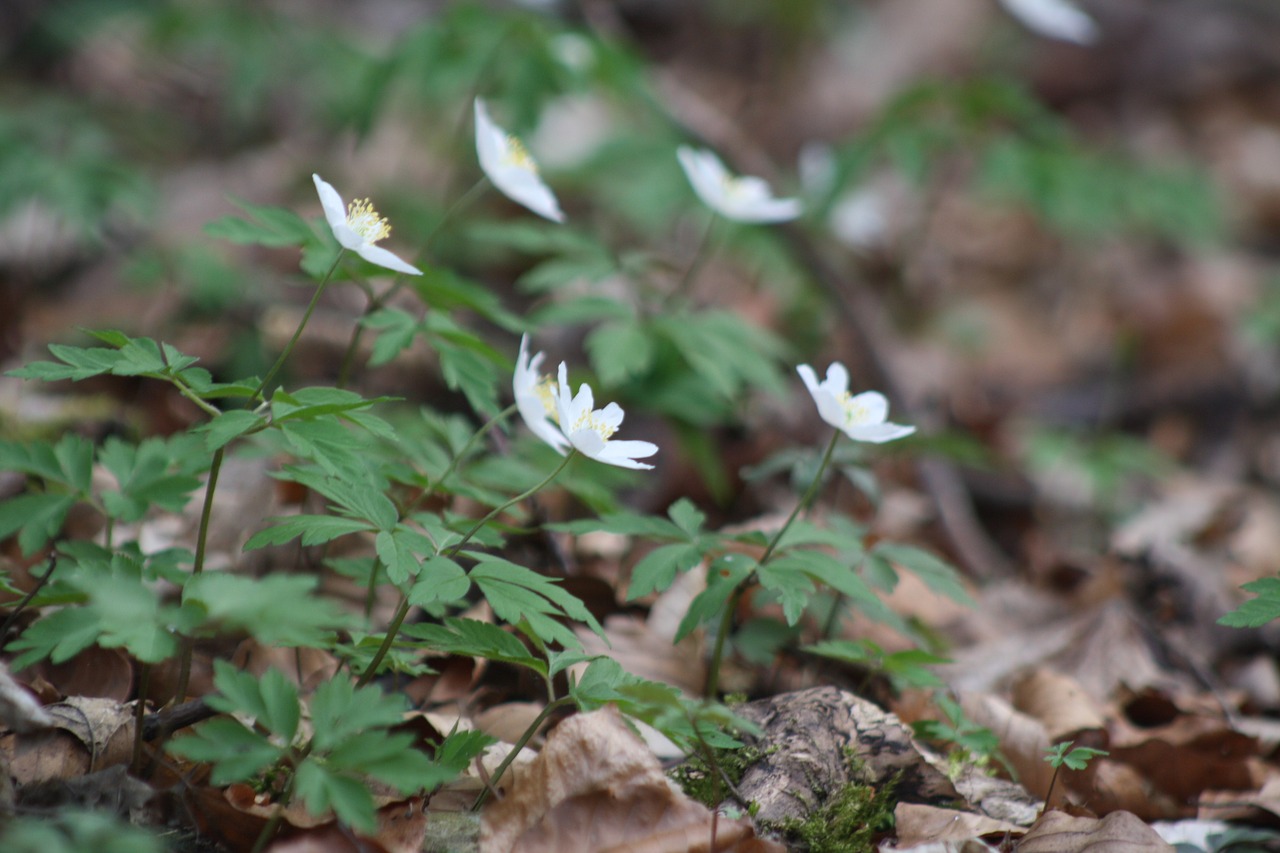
(545, 389)
(588, 420)
(365, 221)
(518, 156)
(854, 413)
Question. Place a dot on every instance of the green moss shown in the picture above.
(848, 821)
(702, 782)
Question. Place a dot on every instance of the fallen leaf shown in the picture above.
(594, 786)
(1118, 832)
(919, 824)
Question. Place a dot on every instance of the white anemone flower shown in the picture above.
(862, 417)
(1055, 19)
(535, 395)
(741, 198)
(589, 430)
(507, 163)
(358, 227)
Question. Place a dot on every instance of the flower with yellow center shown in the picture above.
(862, 417)
(535, 395)
(590, 430)
(507, 163)
(742, 199)
(358, 227)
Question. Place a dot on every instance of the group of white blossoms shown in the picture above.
(552, 412)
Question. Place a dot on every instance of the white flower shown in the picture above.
(743, 199)
(506, 162)
(1055, 19)
(861, 417)
(536, 398)
(589, 430)
(358, 226)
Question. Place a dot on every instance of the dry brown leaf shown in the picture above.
(1237, 805)
(97, 672)
(1023, 740)
(401, 829)
(305, 667)
(88, 735)
(1062, 707)
(595, 786)
(1118, 832)
(919, 824)
(508, 721)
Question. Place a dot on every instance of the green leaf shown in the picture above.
(399, 560)
(687, 516)
(59, 636)
(516, 593)
(657, 570)
(439, 579)
(477, 639)
(937, 575)
(794, 588)
(321, 789)
(236, 753)
(229, 426)
(279, 610)
(389, 758)
(723, 577)
(275, 227)
(396, 328)
(314, 530)
(625, 524)
(339, 711)
(620, 350)
(1258, 611)
(38, 517)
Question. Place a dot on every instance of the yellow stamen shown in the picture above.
(365, 221)
(853, 412)
(588, 420)
(517, 155)
(545, 392)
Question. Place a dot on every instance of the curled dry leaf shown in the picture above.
(1058, 832)
(87, 735)
(1062, 707)
(595, 786)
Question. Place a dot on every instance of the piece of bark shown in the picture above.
(816, 742)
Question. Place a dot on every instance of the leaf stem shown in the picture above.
(311, 307)
(403, 610)
(519, 745)
(731, 607)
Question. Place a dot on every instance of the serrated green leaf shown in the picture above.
(657, 570)
(396, 557)
(37, 517)
(321, 790)
(340, 710)
(1258, 611)
(236, 753)
(936, 574)
(314, 530)
(279, 610)
(516, 593)
(620, 350)
(59, 636)
(723, 577)
(479, 639)
(794, 588)
(439, 579)
(229, 426)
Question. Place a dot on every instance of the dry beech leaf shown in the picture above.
(97, 672)
(1262, 806)
(595, 786)
(508, 721)
(1062, 706)
(88, 735)
(1118, 832)
(920, 824)
(303, 666)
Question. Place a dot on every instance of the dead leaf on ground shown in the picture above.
(921, 824)
(595, 786)
(88, 734)
(97, 672)
(1058, 832)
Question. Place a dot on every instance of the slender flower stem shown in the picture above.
(700, 258)
(731, 607)
(403, 610)
(311, 307)
(519, 745)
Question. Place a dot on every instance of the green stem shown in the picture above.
(726, 619)
(519, 745)
(197, 566)
(311, 307)
(403, 610)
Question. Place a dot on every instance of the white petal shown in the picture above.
(588, 442)
(869, 407)
(527, 189)
(1057, 19)
(335, 212)
(837, 381)
(490, 141)
(768, 210)
(380, 256)
(624, 453)
(879, 433)
(810, 378)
